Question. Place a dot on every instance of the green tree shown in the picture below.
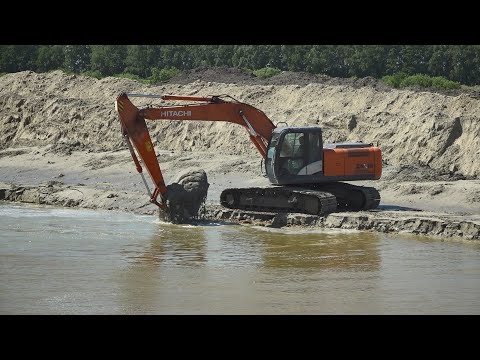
(465, 64)
(15, 58)
(77, 58)
(274, 55)
(293, 57)
(366, 60)
(50, 57)
(393, 61)
(108, 59)
(459, 63)
(332, 60)
(440, 62)
(313, 58)
(239, 59)
(409, 61)
(223, 55)
(141, 59)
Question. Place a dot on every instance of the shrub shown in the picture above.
(424, 81)
(93, 73)
(394, 80)
(266, 72)
(442, 83)
(159, 75)
(402, 80)
(132, 77)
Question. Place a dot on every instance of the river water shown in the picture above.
(71, 261)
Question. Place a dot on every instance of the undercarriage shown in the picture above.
(316, 199)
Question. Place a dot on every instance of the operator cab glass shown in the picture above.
(294, 156)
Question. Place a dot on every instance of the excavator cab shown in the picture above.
(299, 156)
(295, 156)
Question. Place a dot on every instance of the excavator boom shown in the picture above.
(213, 108)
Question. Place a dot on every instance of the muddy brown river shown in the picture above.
(70, 261)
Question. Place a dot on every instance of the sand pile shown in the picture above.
(71, 113)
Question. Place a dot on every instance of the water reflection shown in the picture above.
(340, 251)
(206, 268)
(176, 246)
(226, 246)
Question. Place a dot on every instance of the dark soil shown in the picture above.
(421, 173)
(227, 75)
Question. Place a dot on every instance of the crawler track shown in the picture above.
(314, 199)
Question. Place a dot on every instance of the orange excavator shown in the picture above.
(307, 176)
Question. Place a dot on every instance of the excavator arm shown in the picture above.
(211, 108)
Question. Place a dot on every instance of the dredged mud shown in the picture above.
(186, 197)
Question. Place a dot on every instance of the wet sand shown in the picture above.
(108, 180)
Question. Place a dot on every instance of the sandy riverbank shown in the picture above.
(109, 181)
(60, 144)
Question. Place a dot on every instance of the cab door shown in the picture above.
(296, 157)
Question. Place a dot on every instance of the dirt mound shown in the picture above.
(220, 74)
(228, 75)
(421, 173)
(303, 79)
(294, 78)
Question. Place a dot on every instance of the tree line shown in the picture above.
(460, 63)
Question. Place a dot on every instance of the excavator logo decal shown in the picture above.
(175, 113)
(148, 146)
